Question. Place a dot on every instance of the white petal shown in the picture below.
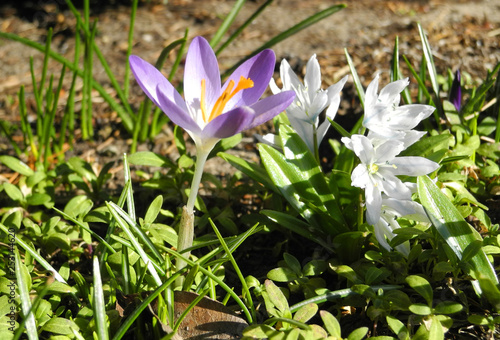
(373, 199)
(312, 78)
(414, 166)
(274, 88)
(360, 177)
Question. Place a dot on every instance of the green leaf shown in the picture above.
(422, 286)
(420, 309)
(397, 327)
(13, 192)
(448, 307)
(436, 330)
(153, 210)
(59, 325)
(306, 312)
(98, 303)
(457, 233)
(24, 286)
(331, 324)
(314, 268)
(252, 170)
(16, 165)
(282, 274)
(149, 158)
(277, 297)
(292, 263)
(358, 334)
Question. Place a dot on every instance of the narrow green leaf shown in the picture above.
(148, 158)
(288, 33)
(23, 286)
(226, 23)
(355, 78)
(153, 210)
(358, 334)
(448, 307)
(98, 303)
(450, 224)
(13, 192)
(306, 312)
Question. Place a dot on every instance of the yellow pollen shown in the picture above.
(243, 83)
(373, 168)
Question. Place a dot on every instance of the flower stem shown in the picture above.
(186, 225)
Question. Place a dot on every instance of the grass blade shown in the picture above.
(98, 303)
(243, 26)
(355, 79)
(288, 33)
(133, 12)
(24, 296)
(226, 23)
(113, 208)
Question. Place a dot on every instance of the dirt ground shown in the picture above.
(463, 34)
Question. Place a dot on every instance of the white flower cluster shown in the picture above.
(390, 132)
(310, 101)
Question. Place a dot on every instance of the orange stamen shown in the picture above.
(243, 83)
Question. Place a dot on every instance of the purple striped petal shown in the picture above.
(271, 106)
(259, 69)
(229, 123)
(148, 78)
(177, 114)
(201, 63)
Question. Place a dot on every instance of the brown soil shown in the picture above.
(462, 34)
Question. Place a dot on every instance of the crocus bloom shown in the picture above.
(456, 92)
(386, 119)
(309, 102)
(378, 170)
(210, 111)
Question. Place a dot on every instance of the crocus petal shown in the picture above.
(201, 63)
(259, 69)
(177, 114)
(148, 78)
(270, 107)
(229, 123)
(414, 166)
(456, 92)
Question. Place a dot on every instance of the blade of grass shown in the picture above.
(221, 283)
(24, 296)
(396, 72)
(246, 292)
(25, 125)
(226, 23)
(36, 256)
(49, 121)
(431, 67)
(129, 192)
(133, 11)
(337, 294)
(113, 208)
(98, 304)
(243, 26)
(129, 321)
(124, 112)
(355, 79)
(38, 99)
(288, 33)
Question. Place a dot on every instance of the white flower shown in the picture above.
(392, 209)
(386, 119)
(309, 102)
(379, 168)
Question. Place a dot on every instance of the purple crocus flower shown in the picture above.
(456, 92)
(210, 111)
